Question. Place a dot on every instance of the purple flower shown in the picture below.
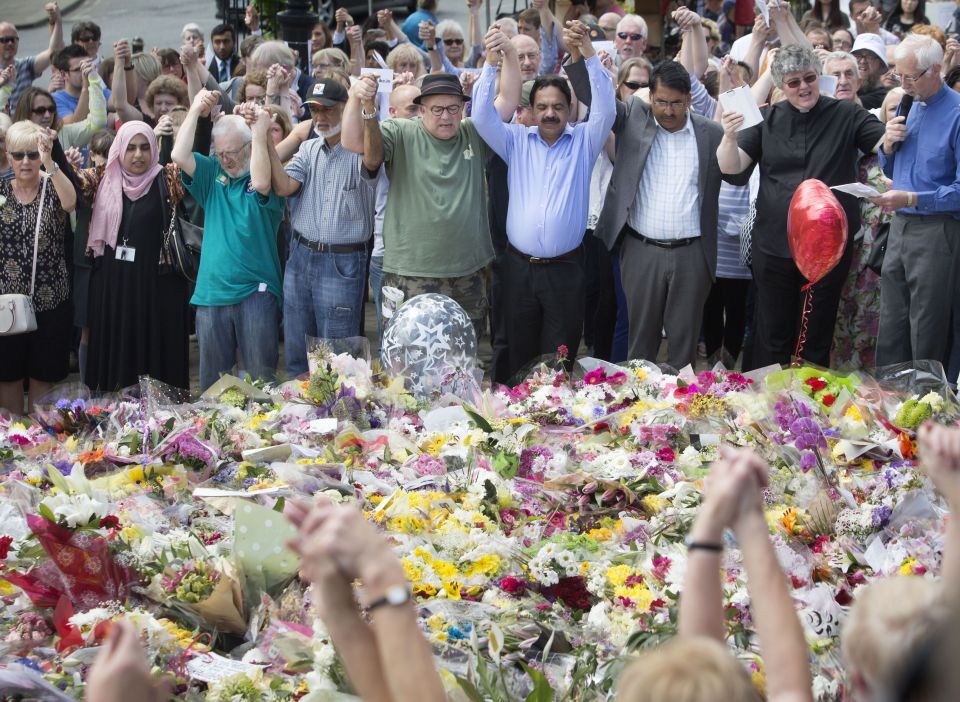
(63, 405)
(880, 516)
(79, 405)
(808, 460)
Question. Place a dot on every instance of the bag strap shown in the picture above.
(36, 233)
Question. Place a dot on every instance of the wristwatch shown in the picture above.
(395, 596)
(367, 115)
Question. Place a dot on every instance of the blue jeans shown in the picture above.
(376, 288)
(251, 326)
(322, 297)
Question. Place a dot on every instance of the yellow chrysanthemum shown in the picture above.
(853, 414)
(485, 565)
(602, 534)
(617, 575)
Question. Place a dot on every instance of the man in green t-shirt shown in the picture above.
(238, 291)
(435, 232)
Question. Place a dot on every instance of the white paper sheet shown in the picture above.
(857, 190)
(828, 85)
(741, 100)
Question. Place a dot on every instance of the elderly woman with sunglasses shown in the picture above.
(807, 135)
(42, 356)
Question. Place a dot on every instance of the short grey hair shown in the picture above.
(842, 56)
(794, 59)
(926, 49)
(232, 124)
(449, 25)
(191, 28)
(636, 19)
(509, 27)
(271, 52)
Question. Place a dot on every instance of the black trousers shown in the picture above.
(500, 361)
(725, 316)
(779, 308)
(543, 307)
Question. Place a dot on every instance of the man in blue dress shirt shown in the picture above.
(549, 169)
(921, 268)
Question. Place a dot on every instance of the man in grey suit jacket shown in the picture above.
(661, 212)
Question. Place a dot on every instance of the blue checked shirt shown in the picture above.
(335, 204)
(667, 203)
(549, 185)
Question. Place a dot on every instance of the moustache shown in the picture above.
(550, 120)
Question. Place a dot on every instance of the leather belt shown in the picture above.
(660, 243)
(571, 255)
(320, 247)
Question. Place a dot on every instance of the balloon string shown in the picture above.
(804, 320)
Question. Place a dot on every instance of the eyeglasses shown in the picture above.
(453, 42)
(607, 30)
(794, 83)
(451, 110)
(230, 154)
(912, 79)
(20, 155)
(325, 66)
(44, 110)
(88, 38)
(9, 40)
(673, 104)
(634, 85)
(633, 36)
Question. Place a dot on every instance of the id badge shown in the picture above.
(126, 253)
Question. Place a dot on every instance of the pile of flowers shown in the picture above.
(540, 524)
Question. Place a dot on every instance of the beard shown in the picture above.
(332, 132)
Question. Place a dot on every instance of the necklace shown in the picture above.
(23, 200)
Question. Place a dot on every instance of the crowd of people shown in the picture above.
(562, 196)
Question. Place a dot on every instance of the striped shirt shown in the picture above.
(734, 203)
(26, 74)
(335, 204)
(667, 203)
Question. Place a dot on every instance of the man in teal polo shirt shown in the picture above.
(238, 291)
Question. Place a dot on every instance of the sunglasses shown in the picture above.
(44, 110)
(634, 85)
(87, 38)
(453, 42)
(634, 36)
(809, 79)
(9, 40)
(20, 155)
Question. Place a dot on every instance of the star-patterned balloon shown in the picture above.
(431, 342)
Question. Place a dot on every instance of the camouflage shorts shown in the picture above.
(469, 291)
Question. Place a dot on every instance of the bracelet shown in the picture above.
(704, 546)
(128, 68)
(911, 199)
(367, 115)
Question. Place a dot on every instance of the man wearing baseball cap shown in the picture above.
(871, 55)
(436, 234)
(332, 220)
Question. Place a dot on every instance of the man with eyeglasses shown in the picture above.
(548, 169)
(608, 25)
(332, 221)
(631, 39)
(238, 290)
(436, 235)
(921, 153)
(871, 55)
(29, 69)
(661, 212)
(69, 61)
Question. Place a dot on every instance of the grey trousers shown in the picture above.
(665, 289)
(917, 288)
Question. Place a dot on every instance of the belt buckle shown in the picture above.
(535, 259)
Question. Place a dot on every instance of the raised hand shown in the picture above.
(251, 17)
(205, 101)
(428, 34)
(121, 672)
(365, 90)
(343, 19)
(731, 122)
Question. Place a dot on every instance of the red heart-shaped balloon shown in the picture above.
(816, 229)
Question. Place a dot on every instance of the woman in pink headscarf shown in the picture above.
(138, 314)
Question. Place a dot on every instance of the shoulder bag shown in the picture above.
(875, 260)
(17, 315)
(182, 240)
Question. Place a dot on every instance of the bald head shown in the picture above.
(402, 105)
(528, 52)
(608, 23)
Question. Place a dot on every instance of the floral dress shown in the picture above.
(858, 318)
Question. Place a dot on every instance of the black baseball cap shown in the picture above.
(439, 84)
(326, 92)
